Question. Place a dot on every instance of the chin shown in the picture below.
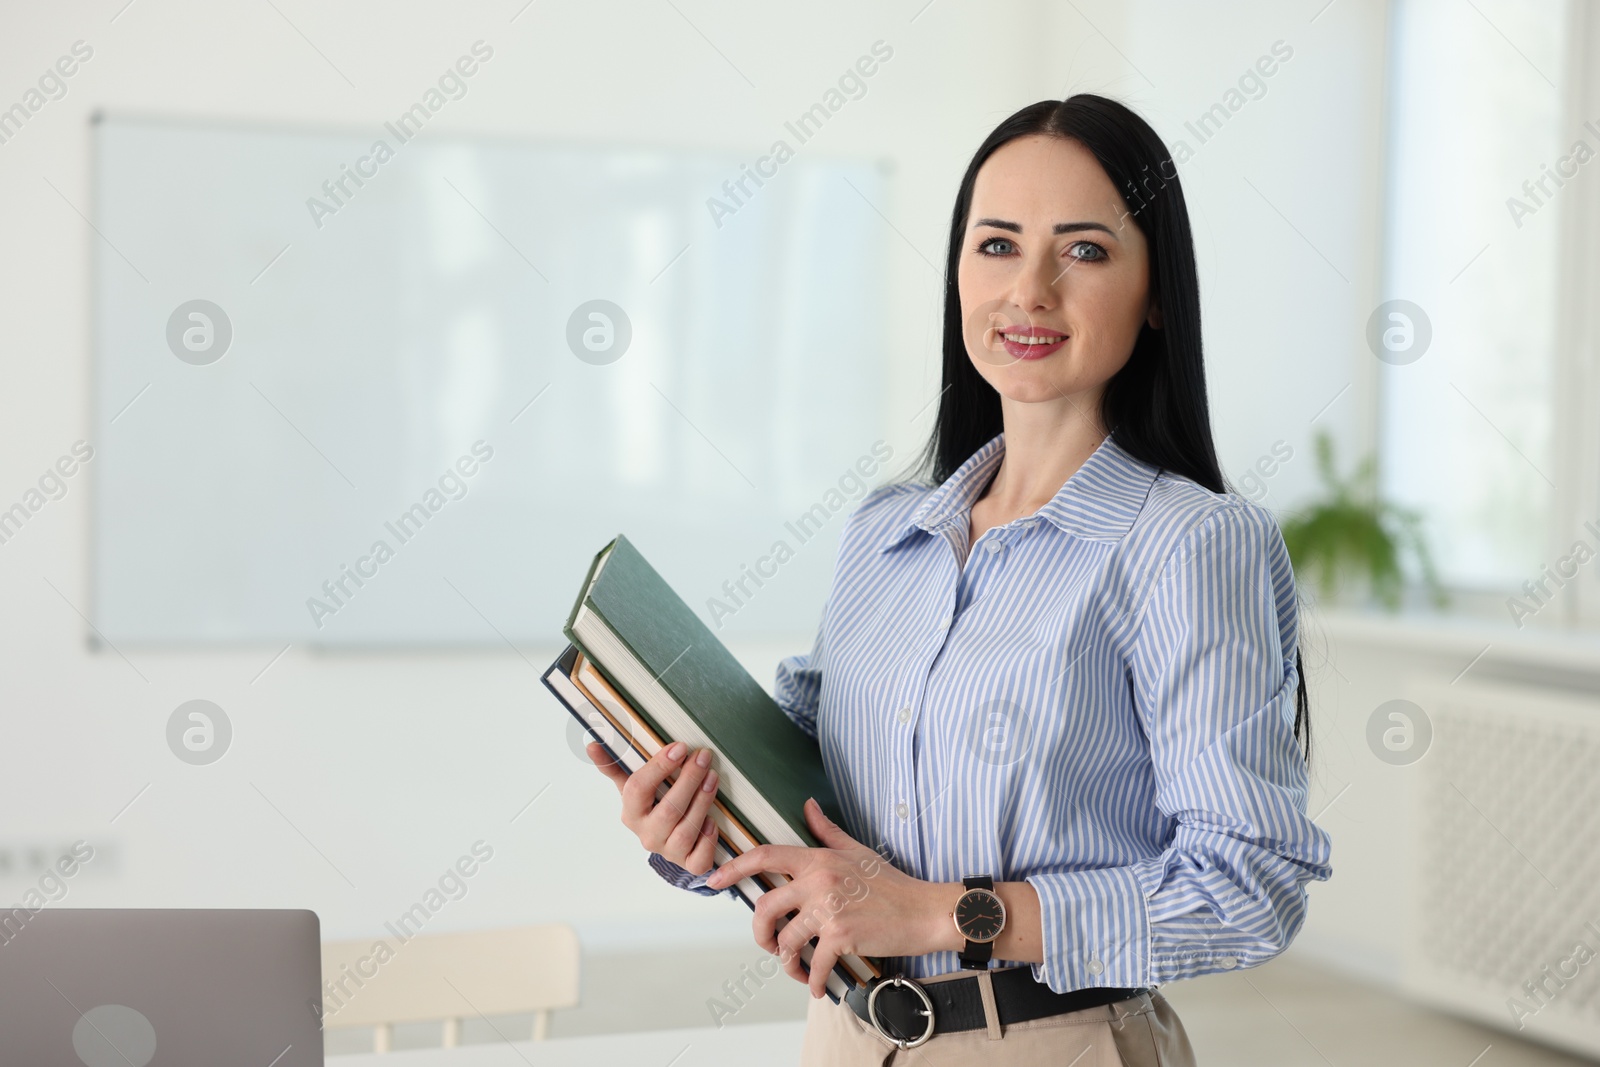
(1033, 396)
(1037, 390)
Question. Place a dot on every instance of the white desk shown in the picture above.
(775, 1044)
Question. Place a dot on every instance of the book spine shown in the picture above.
(583, 592)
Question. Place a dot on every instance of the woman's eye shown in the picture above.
(1086, 250)
(988, 247)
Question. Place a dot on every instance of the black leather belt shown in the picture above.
(909, 1013)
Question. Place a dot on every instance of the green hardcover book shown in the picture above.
(671, 668)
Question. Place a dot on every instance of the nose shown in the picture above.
(1035, 286)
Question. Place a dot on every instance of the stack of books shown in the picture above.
(642, 671)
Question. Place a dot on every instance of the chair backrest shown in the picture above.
(448, 977)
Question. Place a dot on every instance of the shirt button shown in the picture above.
(1228, 962)
(901, 810)
(994, 546)
(905, 714)
(1096, 967)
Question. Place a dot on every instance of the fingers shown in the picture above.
(609, 767)
(793, 934)
(639, 795)
(830, 834)
(673, 808)
(785, 859)
(771, 912)
(705, 850)
(823, 957)
(683, 837)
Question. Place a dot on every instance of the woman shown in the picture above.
(1067, 671)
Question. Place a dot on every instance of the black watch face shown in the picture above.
(979, 915)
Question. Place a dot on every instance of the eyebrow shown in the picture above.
(1060, 227)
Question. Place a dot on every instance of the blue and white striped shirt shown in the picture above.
(1099, 701)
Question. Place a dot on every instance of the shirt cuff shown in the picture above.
(1265, 903)
(678, 876)
(1096, 929)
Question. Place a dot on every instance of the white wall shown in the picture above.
(354, 780)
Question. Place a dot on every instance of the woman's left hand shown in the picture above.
(848, 897)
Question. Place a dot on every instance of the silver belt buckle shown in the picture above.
(927, 1010)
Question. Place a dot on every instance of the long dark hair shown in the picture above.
(1155, 406)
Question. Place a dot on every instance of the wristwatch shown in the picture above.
(979, 917)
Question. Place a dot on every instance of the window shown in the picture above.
(1487, 167)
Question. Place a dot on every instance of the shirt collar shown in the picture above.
(1097, 503)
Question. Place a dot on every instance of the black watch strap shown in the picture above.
(977, 954)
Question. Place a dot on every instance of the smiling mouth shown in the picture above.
(1024, 343)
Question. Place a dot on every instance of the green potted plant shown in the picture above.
(1350, 539)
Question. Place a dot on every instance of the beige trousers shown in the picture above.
(1142, 1032)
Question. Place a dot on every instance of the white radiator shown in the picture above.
(1504, 885)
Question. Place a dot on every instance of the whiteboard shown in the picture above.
(403, 348)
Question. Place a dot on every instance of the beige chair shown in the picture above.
(449, 977)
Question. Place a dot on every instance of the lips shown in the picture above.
(1030, 342)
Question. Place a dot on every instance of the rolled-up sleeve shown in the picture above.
(1213, 680)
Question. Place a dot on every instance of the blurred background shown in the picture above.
(580, 289)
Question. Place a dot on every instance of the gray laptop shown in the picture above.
(91, 987)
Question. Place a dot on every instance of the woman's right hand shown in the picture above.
(679, 827)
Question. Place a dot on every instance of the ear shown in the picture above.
(1154, 317)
